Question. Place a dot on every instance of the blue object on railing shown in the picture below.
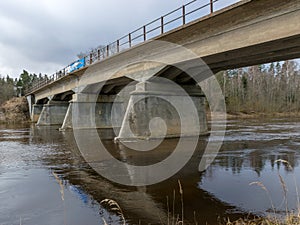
(76, 65)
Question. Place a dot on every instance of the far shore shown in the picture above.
(16, 111)
(255, 115)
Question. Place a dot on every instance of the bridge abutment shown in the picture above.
(162, 110)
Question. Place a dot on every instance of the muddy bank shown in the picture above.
(14, 110)
(255, 115)
(243, 115)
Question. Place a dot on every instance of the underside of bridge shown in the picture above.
(109, 106)
(130, 90)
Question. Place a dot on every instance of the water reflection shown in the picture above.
(252, 152)
(148, 205)
(43, 177)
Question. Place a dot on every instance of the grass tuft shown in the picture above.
(114, 207)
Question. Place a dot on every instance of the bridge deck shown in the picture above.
(246, 33)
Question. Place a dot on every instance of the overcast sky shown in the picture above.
(43, 36)
(46, 35)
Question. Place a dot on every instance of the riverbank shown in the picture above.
(256, 115)
(14, 111)
(241, 115)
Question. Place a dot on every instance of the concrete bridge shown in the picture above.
(245, 33)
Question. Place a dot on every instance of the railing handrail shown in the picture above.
(110, 49)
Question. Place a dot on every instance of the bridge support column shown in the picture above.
(94, 111)
(36, 112)
(151, 112)
(53, 113)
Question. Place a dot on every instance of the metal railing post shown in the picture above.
(183, 14)
(211, 6)
(107, 50)
(118, 45)
(162, 24)
(91, 58)
(98, 54)
(144, 32)
(129, 40)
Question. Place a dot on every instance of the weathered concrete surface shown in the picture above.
(88, 111)
(30, 102)
(67, 122)
(161, 110)
(247, 33)
(53, 113)
(36, 111)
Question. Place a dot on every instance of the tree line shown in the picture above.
(10, 87)
(265, 88)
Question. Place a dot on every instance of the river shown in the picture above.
(45, 180)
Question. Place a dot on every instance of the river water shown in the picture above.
(45, 180)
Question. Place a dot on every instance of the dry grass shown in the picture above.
(14, 110)
(172, 218)
(290, 218)
(114, 207)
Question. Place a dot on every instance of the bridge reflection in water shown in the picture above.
(250, 153)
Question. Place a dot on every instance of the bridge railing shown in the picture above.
(179, 17)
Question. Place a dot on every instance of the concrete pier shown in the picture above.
(36, 111)
(53, 113)
(87, 111)
(164, 110)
